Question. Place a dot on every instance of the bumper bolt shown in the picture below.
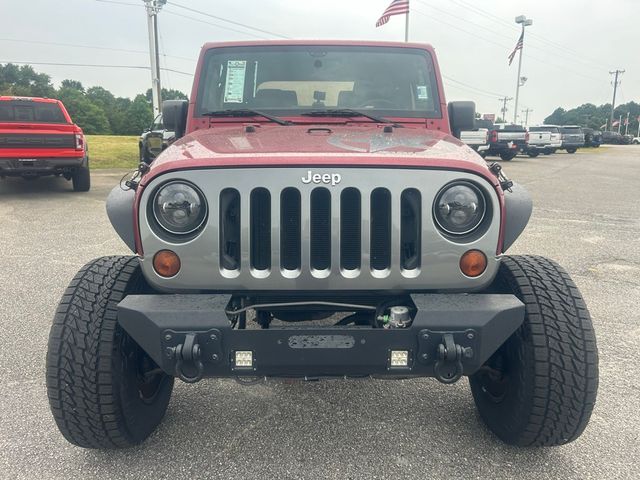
(213, 337)
(168, 352)
(167, 337)
(470, 335)
(425, 336)
(214, 357)
(425, 356)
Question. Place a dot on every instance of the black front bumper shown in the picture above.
(474, 325)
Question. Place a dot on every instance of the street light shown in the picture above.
(525, 22)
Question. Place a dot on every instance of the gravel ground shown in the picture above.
(585, 217)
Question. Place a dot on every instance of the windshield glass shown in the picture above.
(29, 111)
(296, 79)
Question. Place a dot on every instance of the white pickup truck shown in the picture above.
(477, 139)
(538, 135)
(539, 142)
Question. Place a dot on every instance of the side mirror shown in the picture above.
(174, 116)
(462, 116)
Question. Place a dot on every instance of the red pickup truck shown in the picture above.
(38, 137)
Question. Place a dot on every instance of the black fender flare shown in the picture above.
(517, 210)
(120, 210)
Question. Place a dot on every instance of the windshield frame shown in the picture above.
(437, 113)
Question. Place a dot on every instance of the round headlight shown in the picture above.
(179, 208)
(459, 208)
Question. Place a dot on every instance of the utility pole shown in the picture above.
(526, 112)
(153, 7)
(617, 73)
(504, 101)
(525, 22)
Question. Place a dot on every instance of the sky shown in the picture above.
(568, 53)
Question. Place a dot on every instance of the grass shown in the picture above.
(112, 151)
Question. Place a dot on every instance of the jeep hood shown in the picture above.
(357, 145)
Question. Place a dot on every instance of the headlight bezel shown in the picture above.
(165, 232)
(473, 232)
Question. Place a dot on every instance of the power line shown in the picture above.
(93, 65)
(91, 47)
(233, 22)
(212, 24)
(568, 57)
(482, 91)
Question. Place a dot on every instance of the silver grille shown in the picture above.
(268, 231)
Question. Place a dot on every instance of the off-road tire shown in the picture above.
(507, 157)
(81, 179)
(94, 367)
(572, 150)
(533, 154)
(540, 387)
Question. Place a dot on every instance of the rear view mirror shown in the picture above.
(174, 116)
(462, 117)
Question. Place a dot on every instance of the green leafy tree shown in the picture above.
(90, 117)
(23, 81)
(139, 115)
(167, 94)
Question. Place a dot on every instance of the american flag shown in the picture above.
(397, 7)
(518, 47)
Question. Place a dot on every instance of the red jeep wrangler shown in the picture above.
(317, 217)
(37, 137)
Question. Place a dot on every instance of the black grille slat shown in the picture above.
(320, 233)
(350, 233)
(410, 229)
(230, 229)
(380, 229)
(260, 228)
(290, 229)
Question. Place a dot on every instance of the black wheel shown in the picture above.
(81, 179)
(572, 150)
(104, 391)
(533, 154)
(507, 156)
(540, 387)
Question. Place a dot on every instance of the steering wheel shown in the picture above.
(375, 102)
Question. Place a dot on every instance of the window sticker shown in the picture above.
(234, 85)
(422, 92)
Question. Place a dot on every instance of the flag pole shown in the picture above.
(406, 27)
(626, 126)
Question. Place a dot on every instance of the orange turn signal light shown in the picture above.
(166, 263)
(473, 263)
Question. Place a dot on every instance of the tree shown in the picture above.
(90, 117)
(167, 95)
(24, 82)
(139, 115)
(73, 84)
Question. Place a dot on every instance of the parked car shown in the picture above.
(506, 140)
(572, 138)
(612, 138)
(627, 139)
(154, 140)
(539, 142)
(478, 139)
(592, 138)
(306, 208)
(636, 140)
(38, 138)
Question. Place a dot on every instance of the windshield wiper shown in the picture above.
(348, 112)
(246, 113)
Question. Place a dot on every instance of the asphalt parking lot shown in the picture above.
(585, 217)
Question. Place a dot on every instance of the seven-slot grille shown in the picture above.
(319, 231)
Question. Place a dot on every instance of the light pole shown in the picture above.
(153, 8)
(525, 22)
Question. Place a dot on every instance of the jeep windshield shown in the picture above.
(298, 80)
(28, 111)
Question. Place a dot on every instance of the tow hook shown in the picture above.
(448, 367)
(187, 357)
